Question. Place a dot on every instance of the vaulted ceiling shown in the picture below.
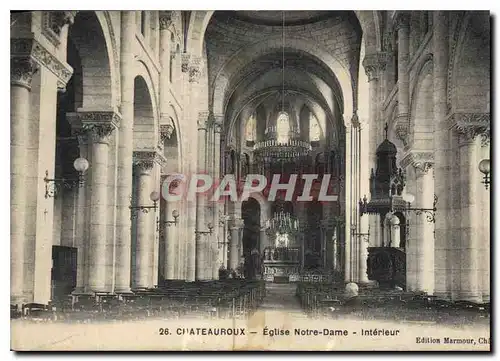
(241, 79)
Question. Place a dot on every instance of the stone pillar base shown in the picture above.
(368, 284)
(124, 291)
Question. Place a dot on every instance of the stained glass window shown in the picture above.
(251, 129)
(314, 129)
(283, 127)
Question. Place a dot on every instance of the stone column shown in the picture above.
(99, 134)
(364, 189)
(470, 289)
(216, 262)
(402, 26)
(374, 64)
(425, 226)
(234, 243)
(225, 247)
(485, 238)
(202, 238)
(263, 241)
(355, 183)
(223, 237)
(440, 45)
(125, 143)
(144, 248)
(335, 250)
(395, 234)
(80, 232)
(22, 70)
(191, 72)
(169, 236)
(348, 277)
(167, 50)
(142, 256)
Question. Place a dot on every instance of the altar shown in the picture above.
(281, 264)
(281, 259)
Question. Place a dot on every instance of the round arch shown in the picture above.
(142, 72)
(370, 24)
(104, 18)
(327, 95)
(369, 20)
(250, 53)
(176, 140)
(265, 208)
(92, 37)
(145, 129)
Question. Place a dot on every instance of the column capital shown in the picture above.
(22, 70)
(401, 20)
(98, 133)
(422, 169)
(54, 21)
(195, 67)
(26, 48)
(185, 62)
(97, 125)
(421, 160)
(217, 122)
(166, 131)
(402, 128)
(355, 120)
(167, 19)
(237, 223)
(217, 128)
(203, 120)
(375, 64)
(470, 125)
(146, 159)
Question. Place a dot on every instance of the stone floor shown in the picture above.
(281, 296)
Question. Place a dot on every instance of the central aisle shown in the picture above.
(281, 297)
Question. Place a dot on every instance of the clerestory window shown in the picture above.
(283, 127)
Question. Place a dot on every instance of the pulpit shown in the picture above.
(387, 266)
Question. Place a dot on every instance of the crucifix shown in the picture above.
(386, 129)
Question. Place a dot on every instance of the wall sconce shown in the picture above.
(223, 218)
(484, 167)
(222, 243)
(365, 236)
(210, 228)
(154, 196)
(363, 206)
(430, 213)
(175, 214)
(54, 185)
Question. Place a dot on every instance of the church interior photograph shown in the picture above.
(369, 131)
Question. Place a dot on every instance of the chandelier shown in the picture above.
(282, 223)
(278, 145)
(274, 148)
